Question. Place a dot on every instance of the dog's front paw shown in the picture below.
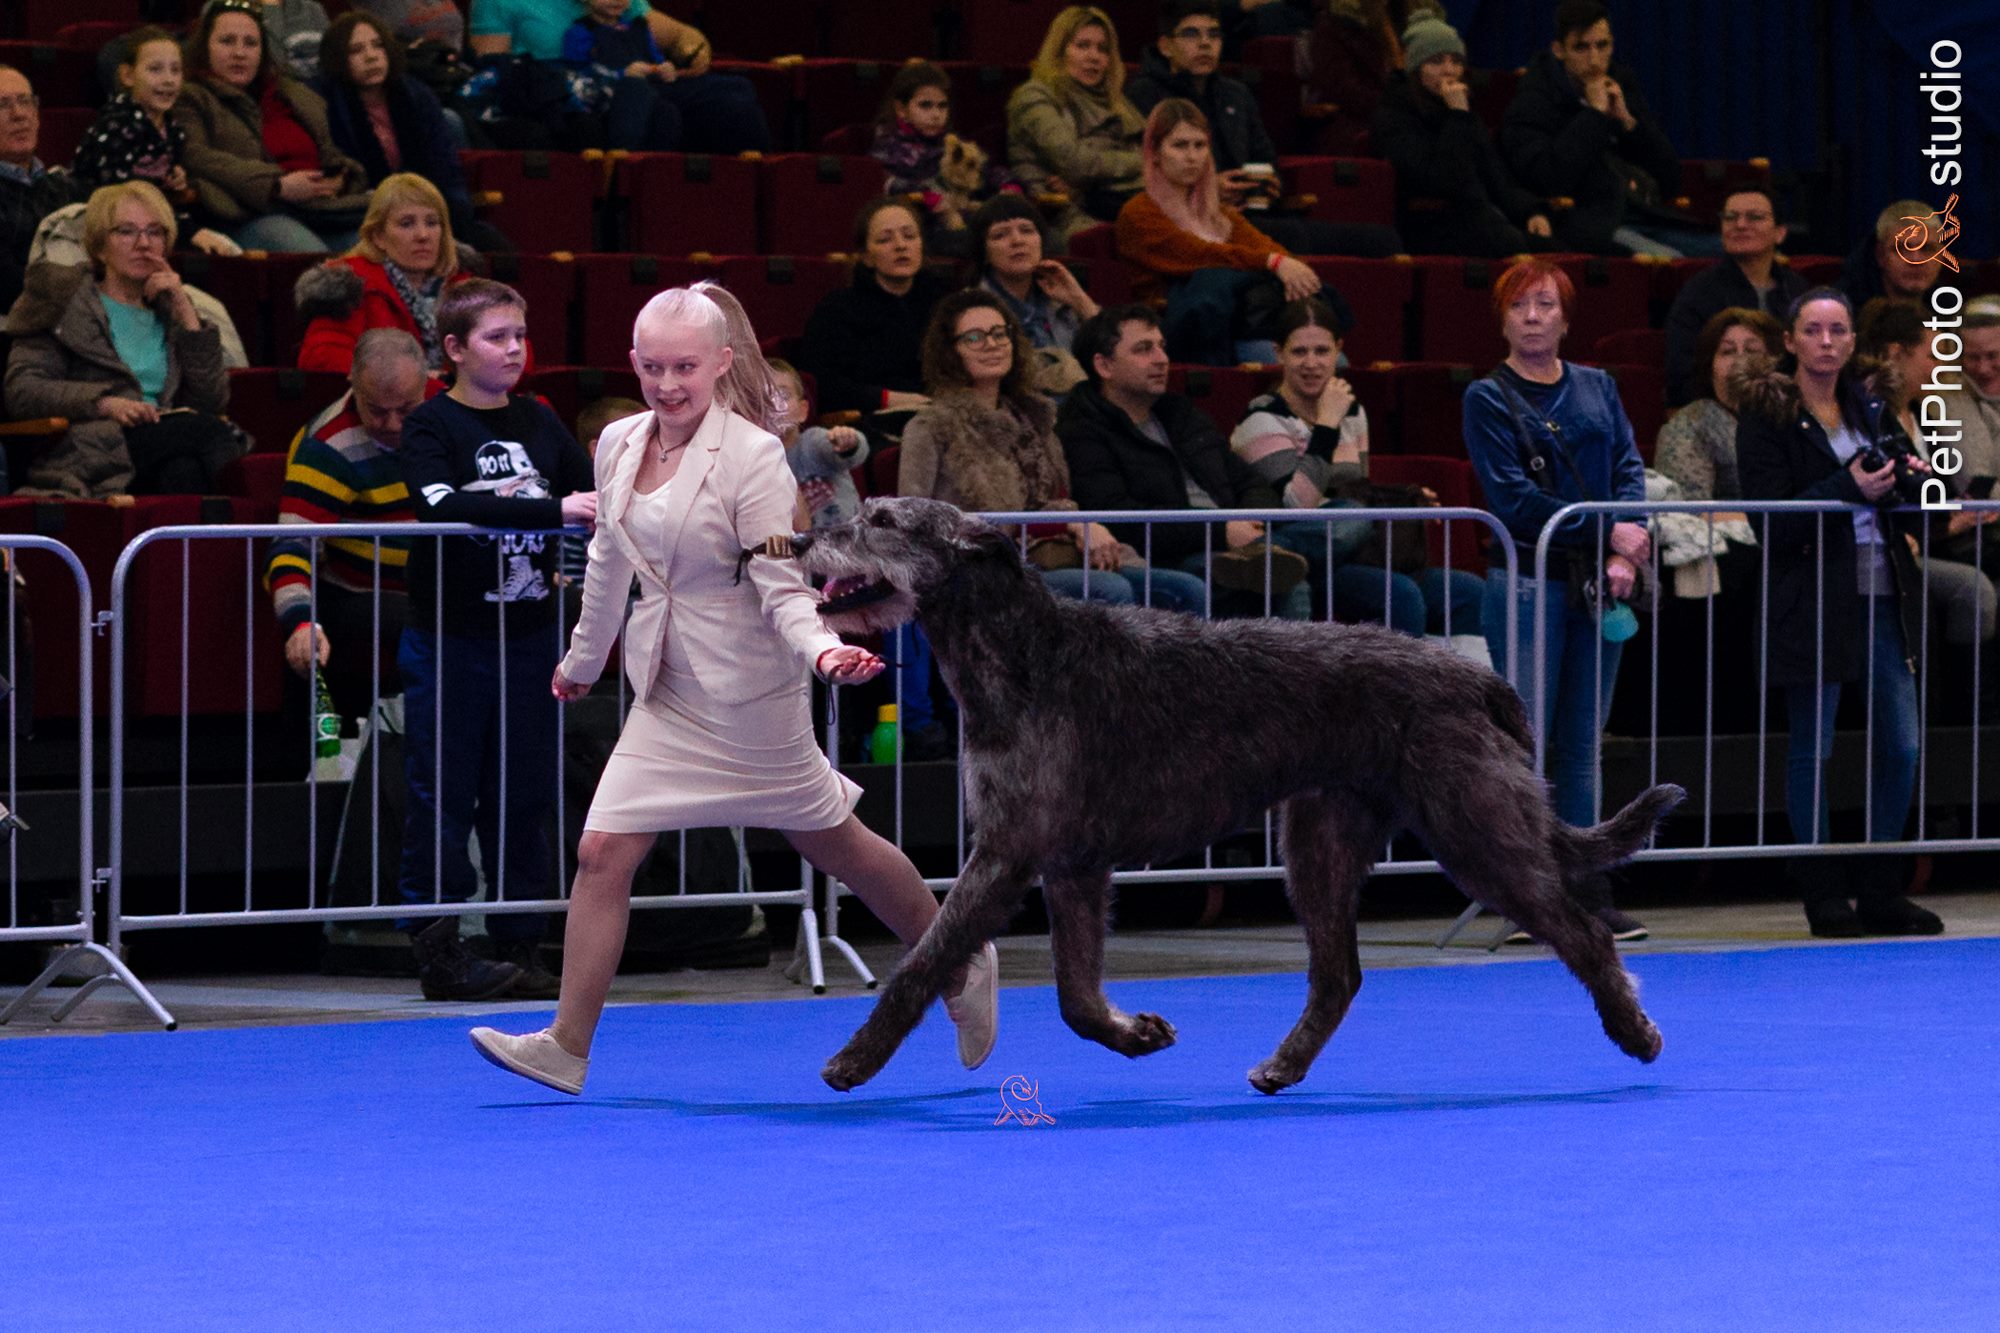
(1275, 1075)
(847, 1071)
(1142, 1034)
(1643, 1043)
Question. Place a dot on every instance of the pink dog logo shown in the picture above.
(1020, 1102)
(1928, 237)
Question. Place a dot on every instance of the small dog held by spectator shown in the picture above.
(1100, 736)
(961, 181)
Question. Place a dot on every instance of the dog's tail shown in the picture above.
(1584, 851)
(1504, 706)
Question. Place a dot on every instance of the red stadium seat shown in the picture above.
(1380, 292)
(548, 284)
(282, 272)
(63, 128)
(60, 78)
(1376, 390)
(777, 89)
(230, 645)
(96, 532)
(258, 478)
(569, 388)
(1706, 182)
(1430, 400)
(766, 29)
(92, 37)
(1455, 311)
(1270, 67)
(979, 94)
(678, 203)
(1105, 276)
(897, 32)
(1643, 390)
(808, 201)
(1223, 393)
(833, 93)
(41, 20)
(548, 201)
(242, 284)
(1612, 295)
(880, 474)
(1452, 481)
(611, 288)
(274, 403)
(1818, 270)
(1670, 277)
(1631, 347)
(1008, 31)
(779, 292)
(1344, 189)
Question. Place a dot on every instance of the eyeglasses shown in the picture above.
(1194, 34)
(128, 233)
(1736, 215)
(977, 337)
(21, 102)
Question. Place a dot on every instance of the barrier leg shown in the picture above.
(116, 973)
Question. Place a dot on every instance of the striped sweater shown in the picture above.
(337, 474)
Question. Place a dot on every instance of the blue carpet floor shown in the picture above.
(1816, 1150)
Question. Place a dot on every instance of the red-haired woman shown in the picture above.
(1543, 433)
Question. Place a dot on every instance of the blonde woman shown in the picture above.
(1070, 129)
(718, 654)
(391, 279)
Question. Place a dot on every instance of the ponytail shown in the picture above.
(750, 388)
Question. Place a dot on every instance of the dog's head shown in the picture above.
(898, 553)
(963, 165)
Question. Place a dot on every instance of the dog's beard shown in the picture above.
(858, 598)
(894, 610)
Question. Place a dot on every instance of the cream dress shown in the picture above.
(686, 761)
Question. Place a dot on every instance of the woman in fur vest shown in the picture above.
(391, 279)
(1843, 605)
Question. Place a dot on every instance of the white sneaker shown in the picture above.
(976, 1009)
(536, 1056)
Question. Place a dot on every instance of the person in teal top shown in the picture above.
(141, 343)
(699, 111)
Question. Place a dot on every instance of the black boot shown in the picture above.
(1823, 888)
(536, 982)
(1882, 907)
(447, 970)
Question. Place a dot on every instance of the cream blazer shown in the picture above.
(746, 639)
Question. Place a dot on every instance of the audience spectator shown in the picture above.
(344, 469)
(1579, 127)
(1749, 276)
(621, 57)
(29, 190)
(1697, 447)
(388, 122)
(392, 279)
(1890, 336)
(1070, 129)
(1223, 279)
(1454, 196)
(1308, 440)
(1130, 444)
(1183, 64)
(1349, 56)
(481, 645)
(1543, 432)
(135, 136)
(987, 444)
(120, 350)
(294, 29)
(1875, 268)
(440, 22)
(718, 113)
(1978, 407)
(914, 144)
(822, 459)
(1842, 608)
(864, 344)
(264, 166)
(573, 561)
(1040, 293)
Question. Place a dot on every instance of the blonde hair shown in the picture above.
(402, 190)
(1050, 70)
(103, 207)
(1890, 220)
(748, 388)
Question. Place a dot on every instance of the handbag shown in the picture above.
(1406, 548)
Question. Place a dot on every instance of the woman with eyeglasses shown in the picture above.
(262, 160)
(120, 350)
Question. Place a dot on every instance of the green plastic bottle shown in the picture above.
(326, 721)
(885, 743)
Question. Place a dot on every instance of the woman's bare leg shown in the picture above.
(878, 872)
(600, 903)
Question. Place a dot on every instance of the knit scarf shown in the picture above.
(421, 299)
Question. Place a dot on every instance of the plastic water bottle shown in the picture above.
(326, 721)
(885, 743)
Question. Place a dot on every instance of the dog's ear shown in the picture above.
(983, 539)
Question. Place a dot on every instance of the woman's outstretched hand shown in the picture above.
(848, 665)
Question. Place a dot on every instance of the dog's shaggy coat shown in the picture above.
(1098, 737)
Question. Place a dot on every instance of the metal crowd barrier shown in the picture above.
(97, 965)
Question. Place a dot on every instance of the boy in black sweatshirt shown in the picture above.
(482, 644)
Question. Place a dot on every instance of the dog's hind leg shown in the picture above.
(1331, 840)
(1077, 922)
(977, 909)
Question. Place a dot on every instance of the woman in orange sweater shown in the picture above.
(1224, 280)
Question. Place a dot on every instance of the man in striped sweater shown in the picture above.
(344, 470)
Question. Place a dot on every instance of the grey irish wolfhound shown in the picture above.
(1097, 737)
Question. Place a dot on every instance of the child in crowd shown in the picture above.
(820, 459)
(590, 423)
(482, 644)
(620, 56)
(913, 141)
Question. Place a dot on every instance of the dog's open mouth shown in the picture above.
(853, 591)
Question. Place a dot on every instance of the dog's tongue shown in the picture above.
(840, 587)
